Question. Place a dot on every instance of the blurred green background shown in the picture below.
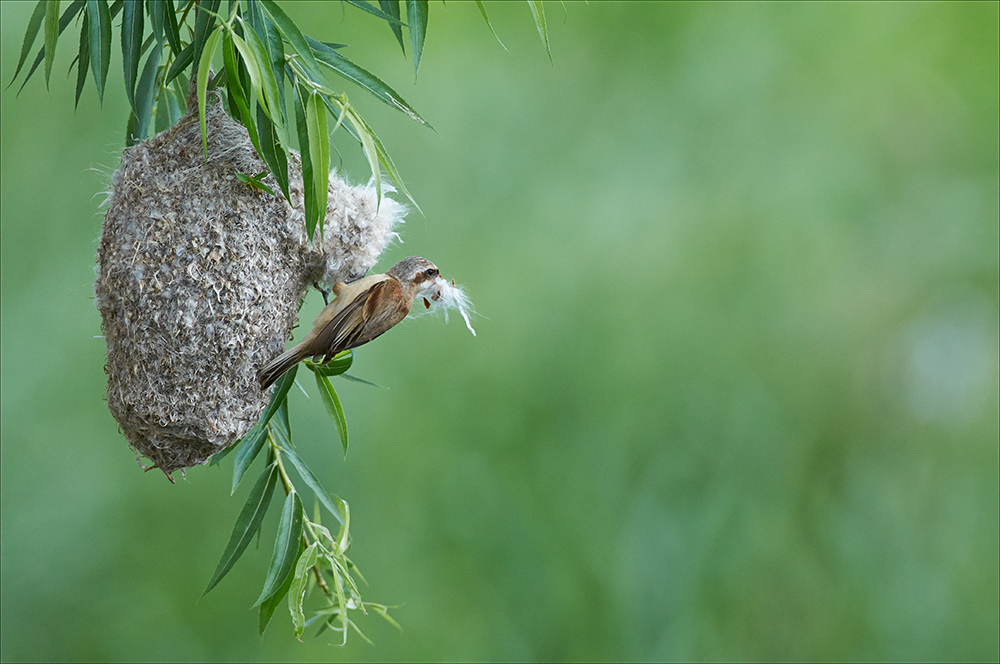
(734, 394)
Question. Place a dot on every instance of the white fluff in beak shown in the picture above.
(440, 294)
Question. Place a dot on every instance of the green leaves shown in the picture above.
(253, 441)
(206, 13)
(254, 182)
(292, 34)
(144, 97)
(99, 25)
(34, 23)
(416, 16)
(82, 59)
(333, 407)
(306, 555)
(273, 602)
(340, 363)
(247, 524)
(132, 27)
(482, 10)
(308, 178)
(51, 35)
(170, 28)
(32, 32)
(538, 13)
(391, 7)
(297, 587)
(310, 479)
(286, 547)
(206, 62)
(263, 49)
(319, 155)
(352, 72)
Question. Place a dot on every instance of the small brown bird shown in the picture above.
(363, 310)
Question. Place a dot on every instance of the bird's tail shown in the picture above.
(273, 370)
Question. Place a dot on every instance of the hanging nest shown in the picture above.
(199, 279)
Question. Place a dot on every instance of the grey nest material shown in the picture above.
(199, 279)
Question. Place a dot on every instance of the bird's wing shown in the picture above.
(385, 307)
(364, 317)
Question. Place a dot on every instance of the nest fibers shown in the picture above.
(199, 278)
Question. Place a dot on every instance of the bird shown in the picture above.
(363, 310)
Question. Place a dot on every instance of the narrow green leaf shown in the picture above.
(280, 389)
(203, 67)
(255, 16)
(51, 36)
(384, 612)
(132, 28)
(253, 440)
(292, 34)
(383, 158)
(297, 589)
(254, 182)
(265, 84)
(359, 380)
(145, 92)
(365, 79)
(365, 135)
(268, 607)
(333, 407)
(156, 8)
(319, 152)
(281, 428)
(34, 23)
(247, 524)
(83, 61)
(375, 11)
(160, 123)
(274, 45)
(176, 100)
(130, 128)
(252, 68)
(391, 7)
(538, 12)
(482, 10)
(181, 62)
(100, 43)
(308, 183)
(170, 27)
(67, 16)
(249, 448)
(340, 363)
(272, 151)
(416, 15)
(390, 168)
(329, 501)
(286, 547)
(237, 95)
(204, 24)
(270, 37)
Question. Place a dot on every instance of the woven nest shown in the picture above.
(199, 279)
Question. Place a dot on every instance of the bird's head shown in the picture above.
(417, 273)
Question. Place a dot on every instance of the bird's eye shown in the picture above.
(431, 273)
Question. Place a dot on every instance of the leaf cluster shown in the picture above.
(307, 555)
(265, 55)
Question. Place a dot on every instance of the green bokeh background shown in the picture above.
(734, 393)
